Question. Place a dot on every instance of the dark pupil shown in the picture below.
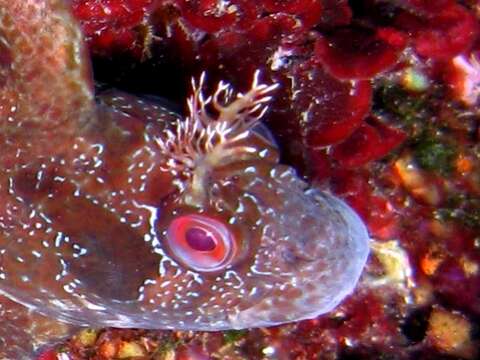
(199, 240)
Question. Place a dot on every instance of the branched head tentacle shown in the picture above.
(214, 127)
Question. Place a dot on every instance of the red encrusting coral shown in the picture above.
(208, 16)
(329, 110)
(48, 355)
(442, 33)
(380, 214)
(112, 25)
(335, 13)
(371, 141)
(369, 52)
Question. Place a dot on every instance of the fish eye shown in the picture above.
(200, 242)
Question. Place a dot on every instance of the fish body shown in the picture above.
(116, 211)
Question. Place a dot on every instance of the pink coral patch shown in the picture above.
(462, 75)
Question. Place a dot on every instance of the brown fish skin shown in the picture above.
(118, 212)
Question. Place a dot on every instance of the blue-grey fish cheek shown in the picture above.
(312, 252)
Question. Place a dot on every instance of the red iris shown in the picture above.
(201, 242)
